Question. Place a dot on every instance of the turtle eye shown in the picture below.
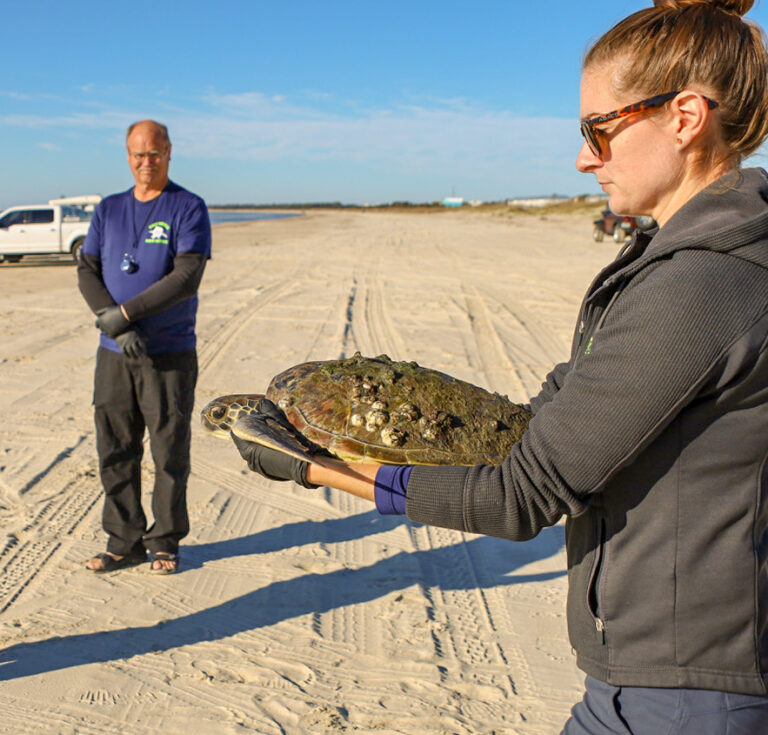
(218, 412)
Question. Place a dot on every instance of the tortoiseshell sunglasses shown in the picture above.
(592, 134)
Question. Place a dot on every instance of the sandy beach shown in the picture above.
(296, 611)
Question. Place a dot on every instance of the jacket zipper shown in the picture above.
(600, 627)
(593, 603)
(586, 317)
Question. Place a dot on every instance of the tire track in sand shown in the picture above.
(220, 339)
(382, 335)
(25, 555)
(496, 364)
(366, 328)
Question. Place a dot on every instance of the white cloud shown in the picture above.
(77, 121)
(258, 127)
(430, 142)
(262, 129)
(28, 96)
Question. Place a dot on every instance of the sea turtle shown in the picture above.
(372, 408)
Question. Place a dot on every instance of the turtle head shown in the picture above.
(221, 413)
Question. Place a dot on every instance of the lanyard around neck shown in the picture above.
(146, 221)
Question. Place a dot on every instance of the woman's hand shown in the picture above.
(272, 464)
(355, 478)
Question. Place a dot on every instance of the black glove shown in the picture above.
(132, 344)
(272, 464)
(111, 321)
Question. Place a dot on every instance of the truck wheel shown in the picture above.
(77, 246)
(618, 234)
(598, 234)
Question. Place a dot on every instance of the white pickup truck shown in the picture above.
(57, 227)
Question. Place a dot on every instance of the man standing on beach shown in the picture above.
(139, 272)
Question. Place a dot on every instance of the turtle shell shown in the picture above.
(363, 408)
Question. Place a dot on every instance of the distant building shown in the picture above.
(453, 201)
(534, 201)
(547, 201)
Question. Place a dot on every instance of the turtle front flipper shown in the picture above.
(263, 429)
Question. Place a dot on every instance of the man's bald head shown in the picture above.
(149, 126)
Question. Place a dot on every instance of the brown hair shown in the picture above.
(701, 43)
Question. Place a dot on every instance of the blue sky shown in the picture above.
(297, 101)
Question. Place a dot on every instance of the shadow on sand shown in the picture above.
(489, 562)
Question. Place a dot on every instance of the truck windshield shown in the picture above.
(12, 218)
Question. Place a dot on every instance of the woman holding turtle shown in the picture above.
(652, 439)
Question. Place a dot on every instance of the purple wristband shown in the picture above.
(391, 489)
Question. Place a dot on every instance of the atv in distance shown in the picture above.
(618, 226)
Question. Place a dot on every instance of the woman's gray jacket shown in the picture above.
(652, 439)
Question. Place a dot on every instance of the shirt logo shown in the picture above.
(588, 351)
(159, 232)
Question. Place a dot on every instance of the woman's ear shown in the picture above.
(690, 115)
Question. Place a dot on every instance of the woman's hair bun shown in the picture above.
(735, 7)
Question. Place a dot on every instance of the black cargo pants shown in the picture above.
(156, 393)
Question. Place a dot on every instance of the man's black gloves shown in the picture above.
(111, 321)
(272, 464)
(132, 344)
